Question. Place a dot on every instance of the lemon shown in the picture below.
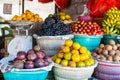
(67, 16)
(76, 45)
(64, 62)
(72, 63)
(76, 57)
(68, 42)
(74, 51)
(83, 49)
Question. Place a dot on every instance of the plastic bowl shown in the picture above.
(118, 38)
(107, 71)
(69, 73)
(51, 44)
(91, 42)
(106, 38)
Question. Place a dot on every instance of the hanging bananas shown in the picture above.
(111, 21)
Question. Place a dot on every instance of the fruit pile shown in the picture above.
(109, 52)
(34, 58)
(28, 16)
(111, 21)
(72, 54)
(64, 17)
(52, 26)
(86, 27)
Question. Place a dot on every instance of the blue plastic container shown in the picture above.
(106, 38)
(91, 42)
(27, 75)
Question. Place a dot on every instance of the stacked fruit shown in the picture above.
(64, 17)
(73, 54)
(111, 21)
(52, 26)
(86, 27)
(109, 52)
(34, 58)
(28, 16)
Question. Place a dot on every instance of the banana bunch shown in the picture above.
(111, 21)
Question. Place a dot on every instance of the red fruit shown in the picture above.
(21, 55)
(19, 64)
(31, 51)
(40, 54)
(29, 64)
(31, 56)
(39, 63)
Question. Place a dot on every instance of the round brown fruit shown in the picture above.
(37, 48)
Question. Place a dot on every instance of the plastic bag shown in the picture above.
(99, 7)
(118, 4)
(62, 4)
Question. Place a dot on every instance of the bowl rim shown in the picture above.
(75, 68)
(88, 36)
(108, 63)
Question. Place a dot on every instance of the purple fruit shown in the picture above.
(31, 56)
(19, 64)
(40, 54)
(29, 64)
(39, 63)
(31, 51)
(21, 55)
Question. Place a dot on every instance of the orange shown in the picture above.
(67, 55)
(82, 57)
(80, 64)
(36, 15)
(64, 62)
(66, 49)
(91, 60)
(74, 51)
(57, 60)
(87, 63)
(87, 56)
(72, 63)
(19, 18)
(83, 49)
(68, 42)
(76, 57)
(60, 55)
(76, 45)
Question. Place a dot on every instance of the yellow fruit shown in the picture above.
(67, 16)
(61, 13)
(76, 57)
(58, 60)
(66, 49)
(62, 17)
(19, 18)
(82, 57)
(67, 55)
(54, 57)
(15, 17)
(80, 64)
(91, 60)
(36, 15)
(74, 51)
(83, 49)
(29, 16)
(68, 42)
(76, 45)
(23, 15)
(60, 55)
(64, 62)
(72, 63)
(87, 63)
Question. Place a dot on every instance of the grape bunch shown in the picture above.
(52, 26)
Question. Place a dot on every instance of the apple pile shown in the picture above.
(72, 54)
(34, 58)
(86, 27)
(109, 52)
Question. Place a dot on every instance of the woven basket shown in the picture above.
(68, 73)
(51, 44)
(107, 71)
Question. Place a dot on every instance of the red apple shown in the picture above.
(21, 55)
(40, 54)
(29, 64)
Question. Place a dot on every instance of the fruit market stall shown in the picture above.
(62, 48)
